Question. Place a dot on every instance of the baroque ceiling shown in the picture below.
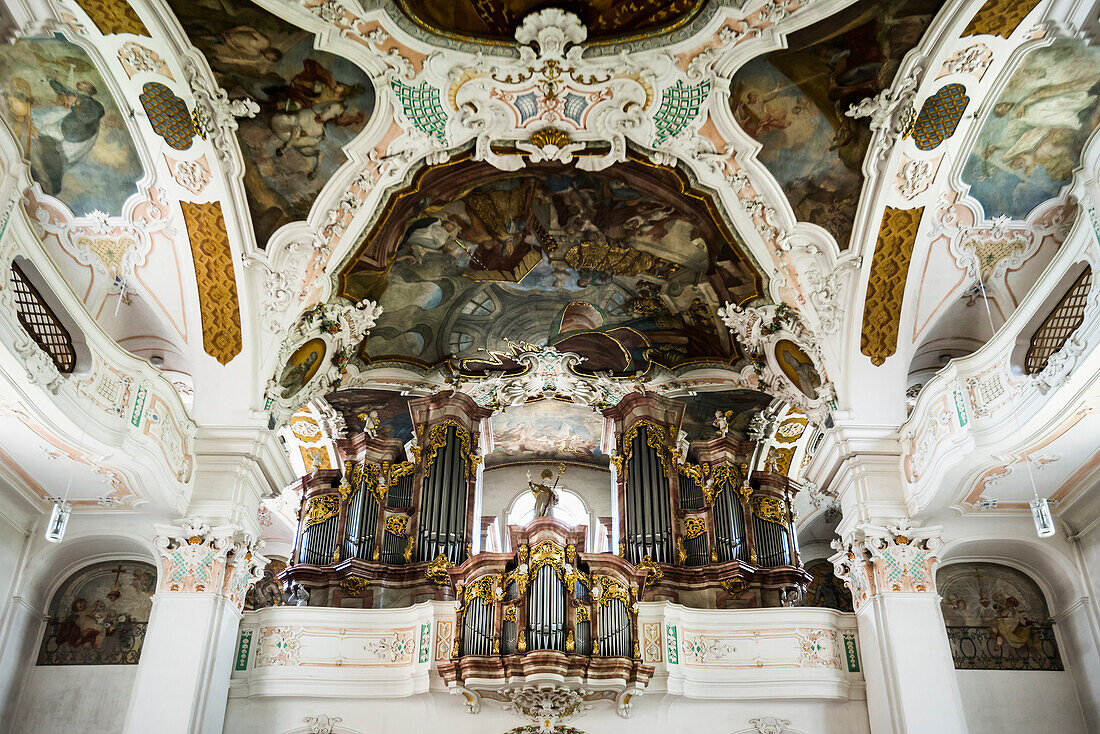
(497, 20)
(726, 203)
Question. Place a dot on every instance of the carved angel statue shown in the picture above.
(371, 422)
(721, 423)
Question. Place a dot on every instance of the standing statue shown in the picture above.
(546, 496)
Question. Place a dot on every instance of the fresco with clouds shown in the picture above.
(1031, 142)
(67, 126)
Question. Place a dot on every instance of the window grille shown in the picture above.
(40, 322)
(1057, 328)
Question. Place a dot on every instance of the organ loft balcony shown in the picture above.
(537, 572)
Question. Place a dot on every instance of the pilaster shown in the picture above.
(911, 682)
(183, 678)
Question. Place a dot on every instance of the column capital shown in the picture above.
(197, 558)
(896, 558)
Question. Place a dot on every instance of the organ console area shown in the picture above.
(701, 523)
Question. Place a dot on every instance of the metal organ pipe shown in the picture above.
(458, 489)
(319, 542)
(443, 476)
(614, 629)
(477, 628)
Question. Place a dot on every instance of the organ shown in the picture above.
(700, 523)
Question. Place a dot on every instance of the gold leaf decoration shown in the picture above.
(654, 439)
(694, 527)
(771, 509)
(736, 586)
(999, 17)
(437, 439)
(213, 258)
(612, 589)
(886, 286)
(779, 460)
(398, 525)
(321, 508)
(354, 585)
(655, 572)
(437, 571)
(114, 16)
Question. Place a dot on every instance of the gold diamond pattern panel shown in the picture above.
(114, 16)
(886, 287)
(221, 315)
(999, 17)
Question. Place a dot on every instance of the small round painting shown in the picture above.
(302, 366)
(798, 367)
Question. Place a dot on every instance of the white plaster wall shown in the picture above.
(17, 618)
(63, 699)
(439, 712)
(1020, 701)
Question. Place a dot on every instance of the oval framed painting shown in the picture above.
(302, 366)
(798, 367)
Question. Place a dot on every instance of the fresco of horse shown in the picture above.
(72, 133)
(312, 103)
(1031, 142)
(795, 108)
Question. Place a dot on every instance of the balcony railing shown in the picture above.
(1026, 647)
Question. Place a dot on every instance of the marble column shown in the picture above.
(911, 682)
(183, 678)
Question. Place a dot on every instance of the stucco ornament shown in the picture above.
(758, 329)
(877, 559)
(214, 113)
(548, 373)
(546, 705)
(891, 112)
(322, 723)
(342, 326)
(770, 725)
(198, 558)
(552, 103)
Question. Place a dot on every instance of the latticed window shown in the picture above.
(1057, 328)
(41, 323)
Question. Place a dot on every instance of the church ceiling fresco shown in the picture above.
(498, 19)
(793, 102)
(552, 430)
(382, 413)
(59, 109)
(1031, 142)
(614, 266)
(312, 103)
